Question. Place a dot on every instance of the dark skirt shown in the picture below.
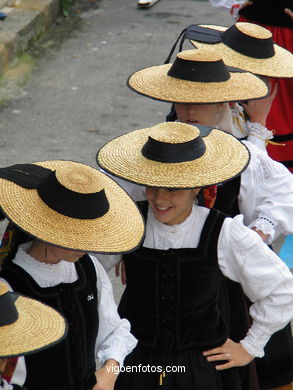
(194, 372)
(276, 367)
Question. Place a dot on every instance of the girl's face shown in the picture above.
(169, 206)
(199, 114)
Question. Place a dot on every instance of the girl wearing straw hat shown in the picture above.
(62, 210)
(251, 47)
(174, 296)
(21, 319)
(201, 86)
(275, 16)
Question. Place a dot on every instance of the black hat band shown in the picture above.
(173, 153)
(199, 71)
(247, 45)
(54, 194)
(72, 204)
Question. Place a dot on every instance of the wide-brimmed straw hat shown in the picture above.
(196, 76)
(246, 46)
(70, 205)
(27, 325)
(174, 155)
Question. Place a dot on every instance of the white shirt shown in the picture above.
(228, 5)
(242, 257)
(114, 339)
(5, 386)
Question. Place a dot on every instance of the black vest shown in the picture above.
(227, 197)
(171, 297)
(69, 365)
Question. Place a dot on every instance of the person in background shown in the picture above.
(276, 16)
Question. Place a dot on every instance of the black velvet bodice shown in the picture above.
(69, 365)
(172, 295)
(227, 197)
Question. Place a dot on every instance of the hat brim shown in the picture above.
(279, 66)
(155, 83)
(122, 157)
(38, 327)
(120, 230)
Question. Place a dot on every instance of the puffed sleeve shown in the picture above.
(114, 339)
(264, 277)
(266, 195)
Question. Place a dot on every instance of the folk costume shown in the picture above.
(174, 280)
(200, 76)
(261, 51)
(70, 205)
(271, 15)
(82, 292)
(250, 47)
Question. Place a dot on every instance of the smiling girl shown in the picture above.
(174, 298)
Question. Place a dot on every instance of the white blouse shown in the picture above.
(230, 5)
(227, 4)
(265, 198)
(114, 339)
(5, 386)
(242, 257)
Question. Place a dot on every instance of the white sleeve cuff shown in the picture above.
(266, 226)
(259, 131)
(252, 350)
(111, 352)
(255, 341)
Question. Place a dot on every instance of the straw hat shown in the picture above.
(197, 76)
(174, 155)
(27, 325)
(246, 46)
(70, 205)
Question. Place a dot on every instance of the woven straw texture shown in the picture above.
(119, 230)
(154, 82)
(279, 66)
(37, 327)
(225, 157)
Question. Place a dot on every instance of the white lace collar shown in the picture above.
(41, 271)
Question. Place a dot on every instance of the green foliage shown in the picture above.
(65, 5)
